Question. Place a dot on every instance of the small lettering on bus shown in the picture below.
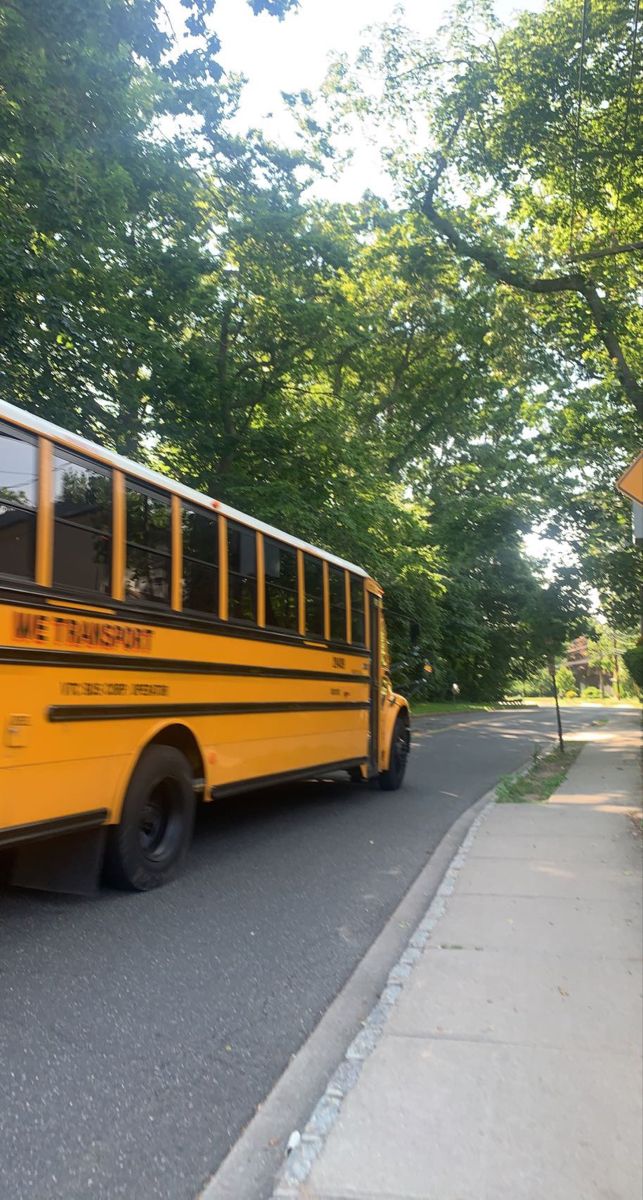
(89, 688)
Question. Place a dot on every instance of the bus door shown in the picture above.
(374, 605)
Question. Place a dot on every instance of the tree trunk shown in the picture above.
(617, 674)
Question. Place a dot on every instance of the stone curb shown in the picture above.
(298, 1165)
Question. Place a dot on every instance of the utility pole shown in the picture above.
(552, 671)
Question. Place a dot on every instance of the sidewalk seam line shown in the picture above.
(625, 1049)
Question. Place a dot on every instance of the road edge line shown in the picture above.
(255, 1161)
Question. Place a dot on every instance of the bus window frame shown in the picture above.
(32, 439)
(216, 520)
(223, 568)
(294, 629)
(261, 579)
(101, 468)
(301, 594)
(344, 641)
(326, 601)
(348, 606)
(143, 601)
(350, 575)
(119, 535)
(309, 635)
(245, 622)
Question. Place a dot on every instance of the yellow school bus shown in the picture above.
(158, 648)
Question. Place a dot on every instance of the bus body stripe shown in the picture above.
(19, 656)
(124, 712)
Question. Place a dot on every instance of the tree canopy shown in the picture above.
(360, 374)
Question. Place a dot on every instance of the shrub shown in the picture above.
(565, 682)
(634, 662)
(515, 687)
(538, 684)
(591, 693)
(571, 694)
(629, 690)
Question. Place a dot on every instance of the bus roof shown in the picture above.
(28, 421)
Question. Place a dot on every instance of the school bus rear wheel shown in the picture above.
(148, 846)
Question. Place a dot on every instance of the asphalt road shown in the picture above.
(139, 1033)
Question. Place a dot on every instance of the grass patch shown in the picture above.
(426, 707)
(543, 777)
(567, 702)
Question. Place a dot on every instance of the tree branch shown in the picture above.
(396, 462)
(392, 395)
(573, 281)
(227, 418)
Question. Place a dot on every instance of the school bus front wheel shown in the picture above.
(391, 778)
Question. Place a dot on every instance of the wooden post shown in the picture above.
(552, 670)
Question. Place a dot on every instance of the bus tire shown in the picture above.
(391, 779)
(148, 846)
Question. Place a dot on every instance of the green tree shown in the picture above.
(478, 128)
(539, 683)
(634, 663)
(558, 613)
(605, 650)
(501, 106)
(565, 682)
(105, 235)
(167, 288)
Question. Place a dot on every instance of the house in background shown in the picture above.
(584, 673)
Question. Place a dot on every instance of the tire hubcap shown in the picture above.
(155, 820)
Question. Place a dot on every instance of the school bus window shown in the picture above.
(82, 523)
(18, 500)
(281, 584)
(200, 561)
(337, 591)
(357, 610)
(149, 544)
(242, 573)
(314, 585)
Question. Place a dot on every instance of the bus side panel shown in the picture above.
(53, 764)
(43, 776)
(85, 776)
(290, 742)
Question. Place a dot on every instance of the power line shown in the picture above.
(628, 107)
(581, 68)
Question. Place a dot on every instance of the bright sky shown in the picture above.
(293, 54)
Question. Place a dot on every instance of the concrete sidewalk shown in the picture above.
(509, 1067)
